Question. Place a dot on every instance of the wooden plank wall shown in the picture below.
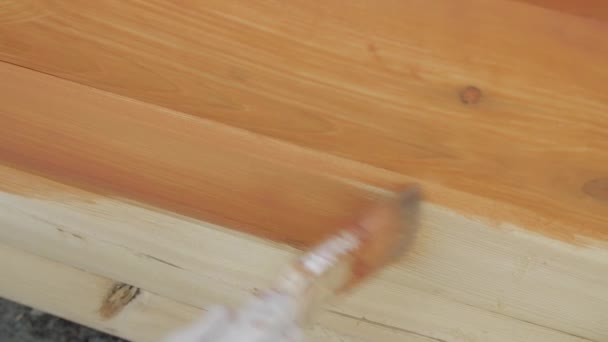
(281, 120)
(464, 276)
(378, 84)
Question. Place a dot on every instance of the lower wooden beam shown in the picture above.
(462, 280)
(78, 296)
(81, 296)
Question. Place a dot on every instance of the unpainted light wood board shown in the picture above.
(78, 295)
(461, 281)
(374, 82)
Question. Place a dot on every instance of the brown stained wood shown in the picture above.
(597, 9)
(597, 189)
(179, 163)
(127, 149)
(334, 77)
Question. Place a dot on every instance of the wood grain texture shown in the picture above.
(375, 83)
(124, 148)
(460, 281)
(76, 295)
(596, 9)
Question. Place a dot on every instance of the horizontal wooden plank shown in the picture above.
(461, 279)
(200, 168)
(596, 9)
(128, 149)
(374, 82)
(77, 295)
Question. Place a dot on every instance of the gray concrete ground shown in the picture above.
(20, 323)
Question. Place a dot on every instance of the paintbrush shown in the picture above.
(279, 314)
